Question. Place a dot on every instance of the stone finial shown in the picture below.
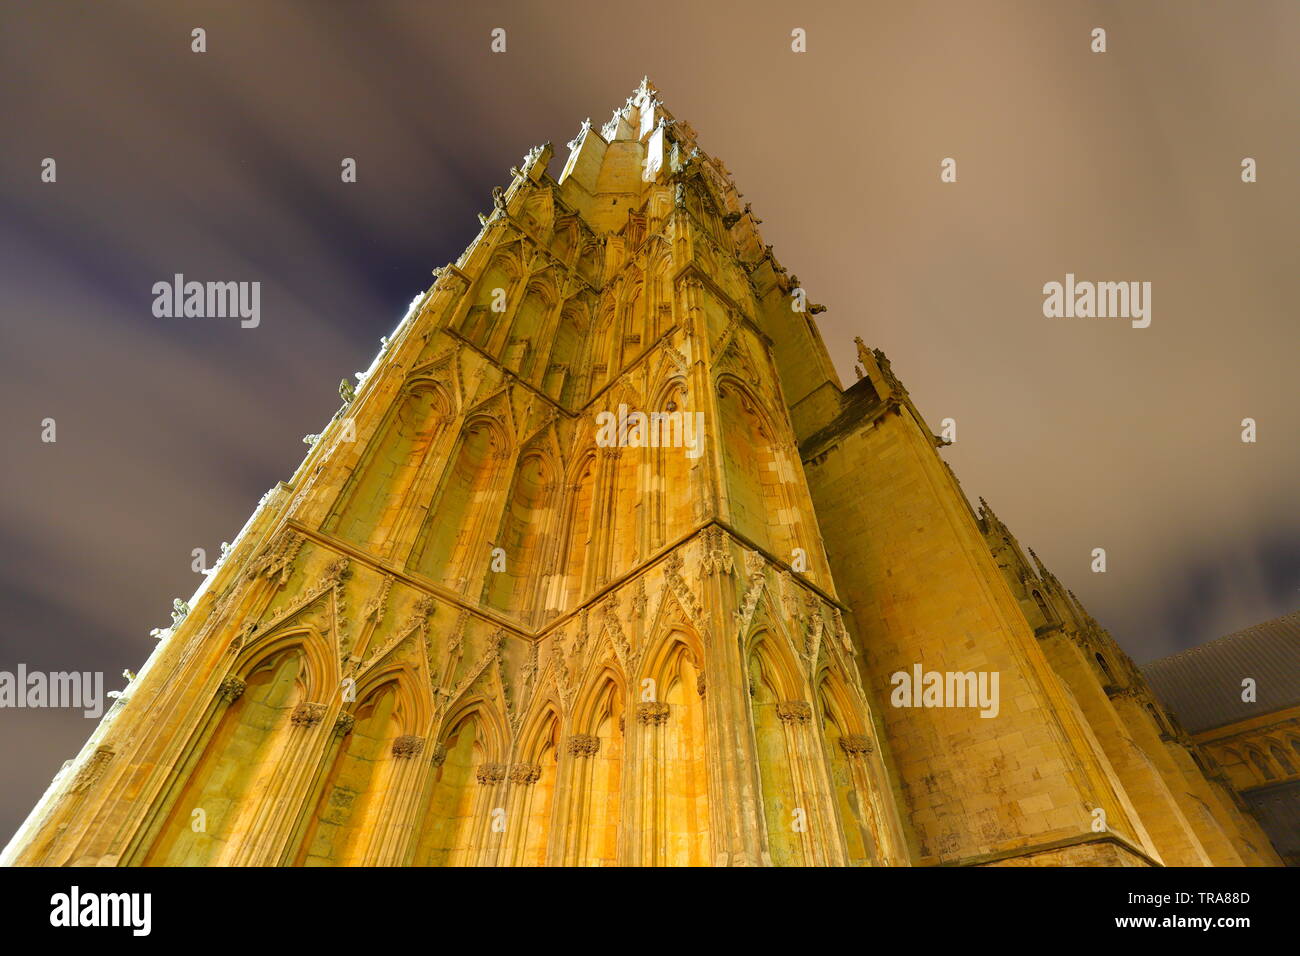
(864, 355)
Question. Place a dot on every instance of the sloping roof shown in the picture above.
(1278, 811)
(1203, 685)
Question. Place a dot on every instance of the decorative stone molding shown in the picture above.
(789, 594)
(525, 773)
(842, 633)
(887, 372)
(343, 724)
(439, 756)
(639, 600)
(560, 671)
(815, 627)
(377, 606)
(277, 559)
(580, 641)
(584, 745)
(652, 712)
(408, 746)
(676, 357)
(231, 689)
(336, 572)
(715, 557)
(627, 656)
(796, 711)
(685, 596)
(491, 653)
(246, 631)
(856, 744)
(92, 770)
(308, 714)
(754, 565)
(490, 774)
(700, 684)
(417, 623)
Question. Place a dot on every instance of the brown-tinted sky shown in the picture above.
(1081, 433)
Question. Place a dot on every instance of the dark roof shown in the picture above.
(1202, 686)
(1278, 811)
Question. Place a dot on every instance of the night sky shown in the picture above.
(225, 165)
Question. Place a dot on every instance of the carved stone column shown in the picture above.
(395, 822)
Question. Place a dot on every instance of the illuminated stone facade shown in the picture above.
(474, 630)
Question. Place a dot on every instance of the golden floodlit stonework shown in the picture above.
(599, 564)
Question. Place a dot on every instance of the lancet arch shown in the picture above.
(491, 294)
(579, 527)
(394, 468)
(780, 713)
(674, 798)
(529, 321)
(595, 770)
(242, 742)
(670, 499)
(467, 763)
(454, 540)
(524, 529)
(533, 801)
(558, 378)
(848, 750)
(756, 472)
(348, 819)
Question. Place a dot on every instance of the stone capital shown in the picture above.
(231, 689)
(583, 745)
(794, 711)
(408, 746)
(652, 712)
(525, 773)
(856, 745)
(308, 714)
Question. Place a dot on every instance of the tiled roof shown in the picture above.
(1278, 812)
(1203, 685)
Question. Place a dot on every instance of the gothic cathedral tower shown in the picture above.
(599, 564)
